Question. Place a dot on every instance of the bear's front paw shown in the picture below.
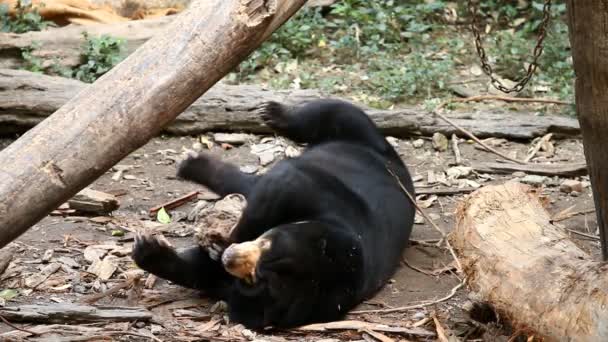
(275, 115)
(150, 250)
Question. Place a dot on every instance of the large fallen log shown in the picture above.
(27, 98)
(63, 45)
(129, 105)
(527, 268)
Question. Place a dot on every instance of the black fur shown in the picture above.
(337, 219)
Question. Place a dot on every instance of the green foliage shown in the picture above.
(31, 62)
(26, 18)
(369, 43)
(99, 54)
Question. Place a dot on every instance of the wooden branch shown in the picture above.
(358, 325)
(27, 98)
(562, 170)
(129, 105)
(444, 191)
(456, 149)
(73, 313)
(93, 201)
(175, 203)
(529, 269)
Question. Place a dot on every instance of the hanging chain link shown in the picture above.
(538, 49)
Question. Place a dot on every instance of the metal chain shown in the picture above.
(538, 49)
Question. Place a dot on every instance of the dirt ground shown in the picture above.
(180, 316)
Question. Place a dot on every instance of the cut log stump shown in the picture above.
(529, 269)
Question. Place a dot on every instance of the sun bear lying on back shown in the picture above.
(321, 232)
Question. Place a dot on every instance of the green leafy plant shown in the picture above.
(31, 62)
(384, 52)
(26, 18)
(99, 54)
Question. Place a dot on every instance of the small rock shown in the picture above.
(48, 254)
(249, 169)
(231, 138)
(475, 70)
(440, 142)
(248, 334)
(140, 324)
(266, 158)
(418, 219)
(534, 180)
(70, 262)
(519, 174)
(156, 329)
(459, 172)
(292, 152)
(575, 194)
(197, 146)
(571, 185)
(418, 143)
(393, 141)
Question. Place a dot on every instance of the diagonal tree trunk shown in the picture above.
(126, 107)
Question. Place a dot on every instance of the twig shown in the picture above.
(90, 299)
(539, 144)
(444, 191)
(456, 150)
(153, 338)
(175, 203)
(470, 135)
(426, 217)
(441, 334)
(593, 237)
(16, 327)
(564, 216)
(427, 243)
(479, 98)
(562, 170)
(411, 307)
(378, 336)
(432, 273)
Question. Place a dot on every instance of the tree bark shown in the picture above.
(73, 313)
(529, 269)
(589, 40)
(129, 105)
(63, 45)
(27, 98)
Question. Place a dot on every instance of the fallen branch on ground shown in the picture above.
(479, 98)
(562, 170)
(360, 325)
(178, 202)
(27, 98)
(437, 110)
(73, 313)
(444, 191)
(415, 306)
(428, 219)
(564, 216)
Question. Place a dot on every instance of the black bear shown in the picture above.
(320, 233)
